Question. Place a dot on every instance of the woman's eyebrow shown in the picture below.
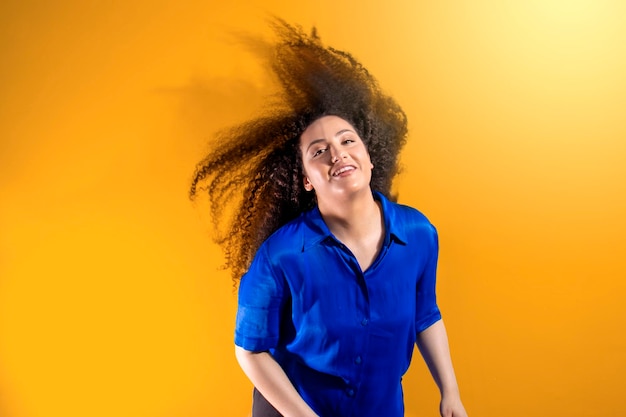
(341, 132)
(313, 142)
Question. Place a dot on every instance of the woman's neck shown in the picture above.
(356, 217)
(359, 225)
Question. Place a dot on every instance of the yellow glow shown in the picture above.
(111, 298)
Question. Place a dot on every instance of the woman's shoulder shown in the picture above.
(287, 237)
(405, 215)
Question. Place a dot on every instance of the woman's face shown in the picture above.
(335, 161)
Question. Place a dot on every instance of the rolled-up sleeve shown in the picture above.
(261, 298)
(427, 311)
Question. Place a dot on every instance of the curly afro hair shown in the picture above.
(254, 179)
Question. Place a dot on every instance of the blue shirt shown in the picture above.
(343, 336)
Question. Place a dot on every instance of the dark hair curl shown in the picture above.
(255, 175)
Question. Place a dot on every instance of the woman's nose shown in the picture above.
(336, 155)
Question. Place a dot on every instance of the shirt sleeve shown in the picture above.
(427, 311)
(260, 301)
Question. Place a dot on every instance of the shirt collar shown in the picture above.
(317, 232)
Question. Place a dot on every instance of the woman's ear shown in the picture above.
(307, 184)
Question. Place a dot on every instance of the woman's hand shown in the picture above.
(433, 344)
(451, 406)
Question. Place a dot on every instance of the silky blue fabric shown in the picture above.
(343, 336)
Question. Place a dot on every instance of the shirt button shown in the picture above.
(364, 322)
(357, 360)
(350, 392)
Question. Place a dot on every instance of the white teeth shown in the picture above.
(342, 170)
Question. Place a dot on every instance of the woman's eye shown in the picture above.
(318, 152)
(348, 141)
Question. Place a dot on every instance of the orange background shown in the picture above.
(111, 300)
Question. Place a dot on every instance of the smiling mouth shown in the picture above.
(343, 170)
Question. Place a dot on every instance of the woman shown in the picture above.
(338, 280)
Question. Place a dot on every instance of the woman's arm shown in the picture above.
(433, 345)
(272, 382)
